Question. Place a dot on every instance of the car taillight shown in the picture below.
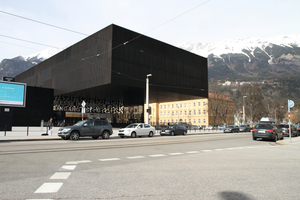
(271, 131)
(288, 129)
(254, 129)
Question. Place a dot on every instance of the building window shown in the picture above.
(194, 104)
(199, 121)
(168, 114)
(185, 105)
(185, 120)
(176, 113)
(180, 113)
(172, 105)
(165, 114)
(164, 106)
(172, 113)
(199, 112)
(204, 121)
(168, 106)
(190, 112)
(204, 112)
(199, 103)
(161, 114)
(194, 112)
(194, 121)
(184, 112)
(203, 103)
(160, 106)
(176, 121)
(189, 104)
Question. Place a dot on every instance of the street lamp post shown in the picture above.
(147, 98)
(244, 110)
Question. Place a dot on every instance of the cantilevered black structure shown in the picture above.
(111, 66)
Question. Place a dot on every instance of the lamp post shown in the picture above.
(244, 110)
(147, 98)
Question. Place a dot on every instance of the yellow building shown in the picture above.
(194, 112)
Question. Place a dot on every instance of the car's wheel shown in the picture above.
(133, 134)
(172, 133)
(254, 138)
(122, 136)
(151, 134)
(64, 138)
(105, 135)
(275, 138)
(74, 135)
(184, 132)
(282, 137)
(95, 137)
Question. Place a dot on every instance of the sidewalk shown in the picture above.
(34, 134)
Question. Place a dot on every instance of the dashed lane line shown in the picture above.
(136, 157)
(175, 154)
(60, 175)
(49, 188)
(77, 162)
(157, 155)
(190, 152)
(67, 167)
(109, 159)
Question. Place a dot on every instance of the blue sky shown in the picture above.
(207, 20)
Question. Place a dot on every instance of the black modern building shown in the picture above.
(108, 70)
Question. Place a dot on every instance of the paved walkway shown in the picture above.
(34, 133)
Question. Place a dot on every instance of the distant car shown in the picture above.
(174, 130)
(285, 129)
(92, 127)
(244, 128)
(221, 127)
(137, 129)
(267, 131)
(194, 127)
(210, 127)
(297, 126)
(231, 129)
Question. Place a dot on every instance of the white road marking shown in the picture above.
(207, 150)
(136, 157)
(49, 188)
(109, 159)
(60, 175)
(157, 155)
(67, 167)
(175, 154)
(192, 152)
(219, 149)
(77, 162)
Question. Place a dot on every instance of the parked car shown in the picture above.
(194, 127)
(92, 127)
(297, 126)
(137, 129)
(267, 131)
(245, 128)
(174, 130)
(285, 129)
(210, 128)
(221, 127)
(231, 129)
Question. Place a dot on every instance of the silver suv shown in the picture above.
(91, 127)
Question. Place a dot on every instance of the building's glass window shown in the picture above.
(176, 121)
(180, 113)
(204, 121)
(176, 113)
(161, 114)
(190, 112)
(194, 104)
(165, 114)
(172, 105)
(194, 121)
(199, 103)
(184, 120)
(203, 103)
(168, 106)
(184, 112)
(160, 106)
(199, 112)
(180, 105)
(199, 121)
(189, 104)
(194, 112)
(164, 106)
(204, 112)
(172, 113)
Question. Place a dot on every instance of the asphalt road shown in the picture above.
(215, 166)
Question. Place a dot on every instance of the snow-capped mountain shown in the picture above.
(17, 65)
(250, 57)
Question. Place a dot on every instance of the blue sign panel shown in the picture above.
(12, 94)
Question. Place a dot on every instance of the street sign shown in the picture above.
(291, 103)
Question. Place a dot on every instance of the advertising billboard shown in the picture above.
(12, 94)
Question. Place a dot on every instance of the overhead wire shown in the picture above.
(98, 54)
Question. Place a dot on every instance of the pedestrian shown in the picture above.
(50, 124)
(63, 123)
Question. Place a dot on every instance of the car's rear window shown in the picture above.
(263, 126)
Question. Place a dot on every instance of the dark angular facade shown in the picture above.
(113, 64)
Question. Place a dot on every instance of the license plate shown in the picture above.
(261, 131)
